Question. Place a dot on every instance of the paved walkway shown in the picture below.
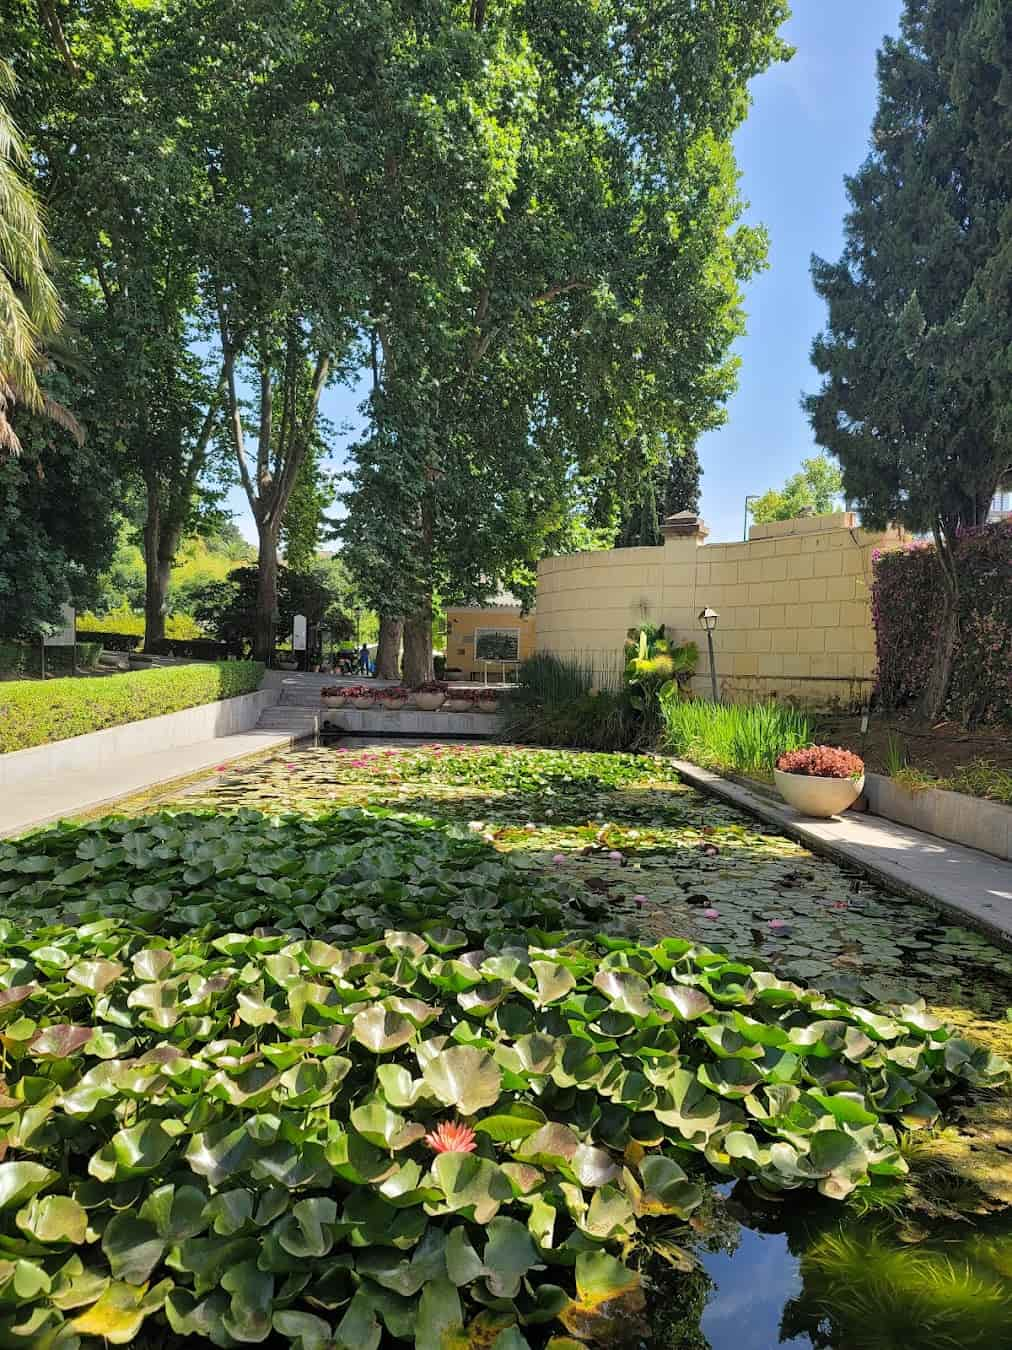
(71, 794)
(974, 887)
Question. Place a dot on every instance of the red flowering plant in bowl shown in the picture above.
(821, 781)
(822, 761)
(394, 697)
(361, 695)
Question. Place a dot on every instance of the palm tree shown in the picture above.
(30, 310)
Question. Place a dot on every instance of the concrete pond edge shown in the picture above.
(981, 874)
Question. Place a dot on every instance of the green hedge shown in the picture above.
(35, 713)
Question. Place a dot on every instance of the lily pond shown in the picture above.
(481, 1048)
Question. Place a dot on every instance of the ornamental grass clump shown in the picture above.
(822, 761)
(732, 738)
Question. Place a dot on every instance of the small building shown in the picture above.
(488, 641)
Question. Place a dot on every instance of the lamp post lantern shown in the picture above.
(708, 620)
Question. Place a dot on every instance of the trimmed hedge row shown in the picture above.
(907, 605)
(35, 713)
(23, 660)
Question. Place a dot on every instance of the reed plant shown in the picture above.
(745, 739)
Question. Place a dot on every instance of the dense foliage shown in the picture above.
(574, 284)
(744, 739)
(915, 398)
(28, 300)
(57, 524)
(816, 488)
(908, 613)
(223, 1127)
(557, 701)
(35, 713)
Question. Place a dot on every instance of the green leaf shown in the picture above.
(132, 1247)
(19, 1181)
(464, 1077)
(252, 1290)
(439, 1313)
(471, 1184)
(380, 1030)
(53, 1218)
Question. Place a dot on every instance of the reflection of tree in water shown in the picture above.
(863, 1287)
(676, 1297)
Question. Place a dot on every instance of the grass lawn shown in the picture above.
(447, 1046)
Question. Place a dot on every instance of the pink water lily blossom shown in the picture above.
(711, 913)
(451, 1137)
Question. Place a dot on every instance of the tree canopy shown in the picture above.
(571, 286)
(915, 396)
(817, 486)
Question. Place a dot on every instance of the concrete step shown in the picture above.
(299, 721)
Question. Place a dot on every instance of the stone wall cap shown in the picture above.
(684, 525)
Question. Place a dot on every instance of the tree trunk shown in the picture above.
(388, 650)
(418, 667)
(267, 593)
(160, 544)
(936, 689)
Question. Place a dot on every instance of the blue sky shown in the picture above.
(808, 127)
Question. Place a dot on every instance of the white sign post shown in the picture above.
(299, 633)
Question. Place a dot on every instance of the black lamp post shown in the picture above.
(708, 620)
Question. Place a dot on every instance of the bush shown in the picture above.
(732, 739)
(125, 621)
(822, 761)
(35, 713)
(907, 607)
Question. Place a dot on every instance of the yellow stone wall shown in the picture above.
(794, 605)
(463, 622)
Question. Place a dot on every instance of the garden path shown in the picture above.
(70, 794)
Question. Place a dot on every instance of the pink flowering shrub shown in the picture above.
(907, 601)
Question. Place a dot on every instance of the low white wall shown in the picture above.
(205, 723)
(964, 820)
(382, 722)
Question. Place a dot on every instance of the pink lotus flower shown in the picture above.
(711, 913)
(451, 1137)
(559, 858)
(615, 856)
(640, 899)
(778, 923)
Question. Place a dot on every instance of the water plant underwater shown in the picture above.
(226, 1037)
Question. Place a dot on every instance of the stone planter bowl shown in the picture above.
(488, 705)
(429, 702)
(394, 704)
(333, 700)
(287, 665)
(363, 704)
(461, 705)
(818, 797)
